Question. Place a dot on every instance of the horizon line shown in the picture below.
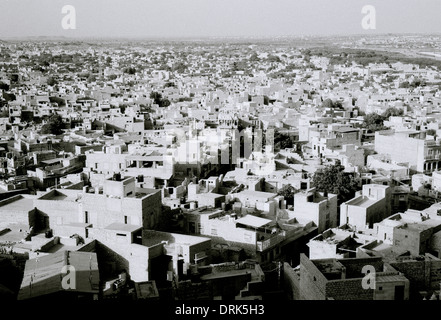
(213, 37)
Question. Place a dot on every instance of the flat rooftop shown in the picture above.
(379, 278)
(362, 201)
(259, 194)
(211, 195)
(12, 236)
(381, 246)
(152, 237)
(227, 274)
(253, 221)
(116, 226)
(17, 203)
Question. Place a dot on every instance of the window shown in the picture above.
(125, 219)
(86, 217)
(380, 288)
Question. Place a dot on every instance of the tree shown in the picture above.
(59, 101)
(283, 141)
(51, 81)
(9, 96)
(91, 78)
(179, 67)
(157, 99)
(288, 192)
(392, 112)
(129, 70)
(53, 126)
(404, 84)
(327, 103)
(4, 86)
(373, 122)
(333, 179)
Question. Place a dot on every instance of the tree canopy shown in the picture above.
(51, 81)
(129, 70)
(392, 112)
(328, 103)
(283, 141)
(288, 192)
(333, 179)
(159, 100)
(53, 126)
(4, 86)
(373, 122)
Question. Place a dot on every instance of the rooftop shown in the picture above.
(123, 227)
(43, 275)
(253, 221)
(17, 203)
(259, 194)
(362, 201)
(57, 194)
(151, 238)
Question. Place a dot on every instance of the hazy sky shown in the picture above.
(194, 18)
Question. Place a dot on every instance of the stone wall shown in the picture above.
(312, 281)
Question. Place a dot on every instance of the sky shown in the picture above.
(215, 18)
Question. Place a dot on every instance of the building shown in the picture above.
(367, 208)
(421, 155)
(342, 279)
(64, 275)
(337, 243)
(262, 239)
(411, 231)
(318, 207)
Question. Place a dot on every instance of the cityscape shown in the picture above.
(220, 168)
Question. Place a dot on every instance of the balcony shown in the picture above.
(283, 235)
(271, 242)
